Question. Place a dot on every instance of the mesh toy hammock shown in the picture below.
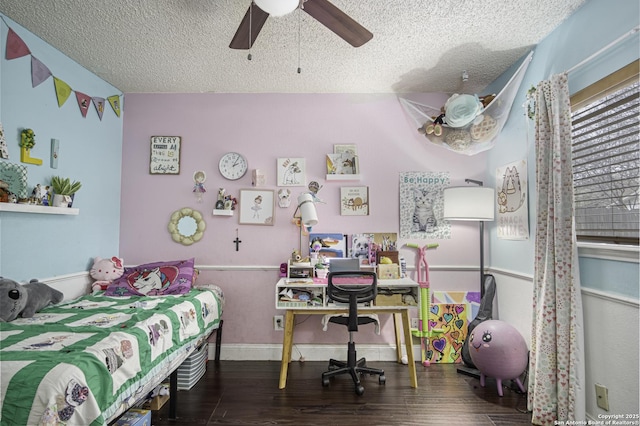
(474, 128)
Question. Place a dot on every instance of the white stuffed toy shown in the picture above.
(105, 271)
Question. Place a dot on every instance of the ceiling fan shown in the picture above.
(321, 10)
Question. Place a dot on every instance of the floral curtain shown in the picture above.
(556, 381)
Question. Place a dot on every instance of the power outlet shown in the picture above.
(602, 397)
(415, 322)
(278, 322)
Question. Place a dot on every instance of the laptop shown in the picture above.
(344, 264)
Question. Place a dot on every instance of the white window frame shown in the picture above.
(599, 89)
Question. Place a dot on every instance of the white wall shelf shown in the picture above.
(30, 208)
(343, 177)
(221, 212)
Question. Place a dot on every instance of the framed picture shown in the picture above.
(345, 149)
(511, 199)
(165, 155)
(291, 172)
(342, 164)
(257, 207)
(331, 244)
(422, 205)
(354, 201)
(361, 245)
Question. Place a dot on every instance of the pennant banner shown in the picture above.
(63, 91)
(115, 103)
(39, 72)
(16, 48)
(83, 102)
(99, 104)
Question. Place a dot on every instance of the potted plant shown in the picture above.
(321, 270)
(63, 189)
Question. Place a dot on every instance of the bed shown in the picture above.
(88, 360)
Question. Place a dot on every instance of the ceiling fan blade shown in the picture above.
(338, 22)
(255, 17)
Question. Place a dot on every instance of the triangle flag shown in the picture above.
(16, 48)
(39, 72)
(115, 103)
(99, 104)
(63, 91)
(83, 102)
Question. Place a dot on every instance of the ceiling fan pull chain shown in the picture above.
(299, 20)
(250, 41)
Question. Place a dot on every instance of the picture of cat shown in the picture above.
(424, 218)
(510, 197)
(422, 205)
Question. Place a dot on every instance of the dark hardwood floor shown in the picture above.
(246, 393)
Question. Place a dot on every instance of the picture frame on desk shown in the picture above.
(360, 248)
(333, 244)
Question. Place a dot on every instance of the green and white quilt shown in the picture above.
(86, 361)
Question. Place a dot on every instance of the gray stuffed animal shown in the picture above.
(25, 299)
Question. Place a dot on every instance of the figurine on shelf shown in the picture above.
(198, 188)
(220, 202)
(230, 203)
(4, 191)
(47, 193)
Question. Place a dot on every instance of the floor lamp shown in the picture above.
(471, 203)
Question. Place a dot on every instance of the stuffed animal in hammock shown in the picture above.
(105, 271)
(25, 299)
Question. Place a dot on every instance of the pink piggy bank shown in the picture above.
(498, 350)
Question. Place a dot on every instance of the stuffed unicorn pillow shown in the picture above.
(155, 279)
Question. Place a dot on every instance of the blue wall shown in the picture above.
(592, 27)
(41, 245)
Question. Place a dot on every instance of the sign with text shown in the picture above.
(165, 155)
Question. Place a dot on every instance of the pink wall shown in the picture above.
(264, 128)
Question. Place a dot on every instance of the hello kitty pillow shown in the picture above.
(155, 279)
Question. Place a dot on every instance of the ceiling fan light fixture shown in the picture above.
(278, 7)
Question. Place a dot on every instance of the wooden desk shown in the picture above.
(400, 315)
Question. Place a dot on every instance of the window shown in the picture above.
(606, 158)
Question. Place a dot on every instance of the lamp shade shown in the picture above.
(308, 214)
(469, 203)
(278, 7)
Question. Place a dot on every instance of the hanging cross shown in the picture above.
(237, 241)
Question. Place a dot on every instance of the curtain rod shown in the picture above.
(604, 49)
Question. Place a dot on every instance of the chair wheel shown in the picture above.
(382, 380)
(325, 382)
(359, 389)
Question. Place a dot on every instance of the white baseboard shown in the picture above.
(273, 352)
(71, 285)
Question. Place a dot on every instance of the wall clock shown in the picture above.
(233, 166)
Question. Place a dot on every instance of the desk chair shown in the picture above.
(353, 294)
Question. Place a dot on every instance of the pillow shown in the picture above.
(154, 279)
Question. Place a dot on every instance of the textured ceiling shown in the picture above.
(182, 45)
